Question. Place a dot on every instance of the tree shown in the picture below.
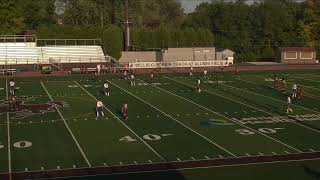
(11, 18)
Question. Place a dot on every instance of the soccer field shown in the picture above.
(235, 124)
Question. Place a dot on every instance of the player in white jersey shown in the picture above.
(294, 90)
(132, 80)
(198, 86)
(12, 87)
(106, 88)
(99, 109)
(289, 104)
(98, 69)
(125, 75)
(191, 71)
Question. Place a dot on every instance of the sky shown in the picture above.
(190, 5)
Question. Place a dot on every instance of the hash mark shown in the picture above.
(149, 161)
(207, 157)
(220, 156)
(42, 168)
(311, 150)
(105, 164)
(120, 163)
(58, 167)
(247, 154)
(135, 162)
(26, 169)
(273, 152)
(74, 166)
(260, 153)
(193, 158)
(178, 159)
(287, 152)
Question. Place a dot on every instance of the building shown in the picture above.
(296, 55)
(177, 55)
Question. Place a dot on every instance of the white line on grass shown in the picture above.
(191, 168)
(258, 132)
(267, 111)
(74, 138)
(175, 120)
(9, 140)
(115, 165)
(307, 79)
(153, 150)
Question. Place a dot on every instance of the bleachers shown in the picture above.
(73, 54)
(28, 53)
(18, 53)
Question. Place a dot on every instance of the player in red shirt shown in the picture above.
(13, 102)
(124, 111)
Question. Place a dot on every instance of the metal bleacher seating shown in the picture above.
(17, 52)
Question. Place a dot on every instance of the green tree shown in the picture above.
(11, 18)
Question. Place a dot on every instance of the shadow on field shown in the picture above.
(169, 175)
(314, 173)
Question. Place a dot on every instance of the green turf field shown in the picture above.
(54, 126)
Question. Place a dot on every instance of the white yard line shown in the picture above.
(192, 168)
(258, 132)
(101, 166)
(9, 140)
(64, 121)
(267, 111)
(187, 127)
(153, 150)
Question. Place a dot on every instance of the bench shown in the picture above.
(8, 71)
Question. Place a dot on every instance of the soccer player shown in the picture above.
(289, 104)
(99, 109)
(294, 90)
(237, 72)
(124, 111)
(275, 83)
(198, 86)
(132, 80)
(106, 88)
(284, 85)
(191, 71)
(205, 72)
(299, 92)
(13, 103)
(125, 75)
(151, 76)
(98, 69)
(12, 87)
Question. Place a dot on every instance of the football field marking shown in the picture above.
(269, 112)
(64, 121)
(231, 119)
(144, 142)
(278, 101)
(190, 168)
(187, 127)
(9, 140)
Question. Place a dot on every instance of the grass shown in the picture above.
(168, 121)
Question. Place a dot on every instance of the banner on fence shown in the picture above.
(176, 64)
